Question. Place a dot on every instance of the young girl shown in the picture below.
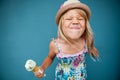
(74, 41)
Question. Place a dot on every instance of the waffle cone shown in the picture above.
(36, 69)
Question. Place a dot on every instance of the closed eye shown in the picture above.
(80, 18)
(68, 19)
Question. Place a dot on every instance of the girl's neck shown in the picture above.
(72, 41)
(76, 45)
(76, 41)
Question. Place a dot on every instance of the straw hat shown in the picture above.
(72, 4)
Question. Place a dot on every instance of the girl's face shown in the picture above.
(73, 25)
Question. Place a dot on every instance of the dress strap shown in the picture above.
(56, 41)
(85, 46)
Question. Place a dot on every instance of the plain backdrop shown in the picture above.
(27, 27)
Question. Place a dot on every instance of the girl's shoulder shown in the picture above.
(52, 45)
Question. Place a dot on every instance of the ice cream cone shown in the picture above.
(35, 69)
(30, 65)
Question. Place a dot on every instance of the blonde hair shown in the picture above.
(88, 34)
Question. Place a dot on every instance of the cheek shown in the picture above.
(65, 30)
(66, 24)
(65, 27)
(82, 23)
(82, 29)
(83, 26)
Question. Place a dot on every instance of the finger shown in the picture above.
(37, 74)
(40, 76)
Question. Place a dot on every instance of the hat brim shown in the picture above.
(73, 6)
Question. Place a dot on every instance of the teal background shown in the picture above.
(27, 27)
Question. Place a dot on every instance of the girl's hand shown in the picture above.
(39, 73)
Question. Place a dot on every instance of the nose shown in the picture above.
(75, 21)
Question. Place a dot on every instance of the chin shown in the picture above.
(74, 38)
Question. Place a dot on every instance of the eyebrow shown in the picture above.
(73, 16)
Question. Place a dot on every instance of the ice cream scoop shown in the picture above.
(31, 65)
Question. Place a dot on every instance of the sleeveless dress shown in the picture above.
(70, 66)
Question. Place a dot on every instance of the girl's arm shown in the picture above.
(48, 60)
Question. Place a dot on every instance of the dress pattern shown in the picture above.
(71, 66)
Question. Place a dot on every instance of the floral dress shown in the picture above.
(71, 66)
